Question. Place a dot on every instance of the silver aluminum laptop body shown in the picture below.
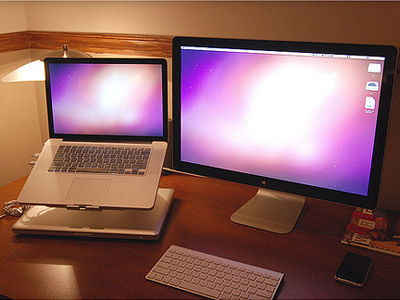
(102, 102)
(108, 223)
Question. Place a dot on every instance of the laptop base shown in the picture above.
(107, 223)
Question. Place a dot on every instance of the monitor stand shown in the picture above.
(270, 210)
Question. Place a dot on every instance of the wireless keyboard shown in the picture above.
(213, 277)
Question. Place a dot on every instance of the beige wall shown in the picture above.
(19, 123)
(19, 135)
(346, 21)
(358, 22)
(12, 17)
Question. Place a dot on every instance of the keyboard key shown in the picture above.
(199, 289)
(92, 170)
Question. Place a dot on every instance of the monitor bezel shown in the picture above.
(112, 138)
(370, 201)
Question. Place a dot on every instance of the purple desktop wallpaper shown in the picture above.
(303, 119)
(107, 99)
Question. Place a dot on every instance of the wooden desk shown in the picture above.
(61, 267)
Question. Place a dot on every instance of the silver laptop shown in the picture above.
(108, 134)
(109, 223)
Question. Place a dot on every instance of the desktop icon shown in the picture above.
(374, 68)
(372, 86)
(370, 103)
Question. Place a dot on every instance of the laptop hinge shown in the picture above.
(83, 207)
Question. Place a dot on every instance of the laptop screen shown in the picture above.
(104, 97)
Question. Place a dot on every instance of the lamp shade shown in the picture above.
(34, 71)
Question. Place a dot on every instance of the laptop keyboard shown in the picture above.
(126, 160)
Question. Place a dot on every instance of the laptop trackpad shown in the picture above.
(88, 190)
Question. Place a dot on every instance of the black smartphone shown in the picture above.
(354, 269)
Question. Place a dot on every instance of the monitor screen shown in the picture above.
(303, 118)
(106, 97)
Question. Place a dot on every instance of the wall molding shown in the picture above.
(110, 43)
(13, 41)
(125, 44)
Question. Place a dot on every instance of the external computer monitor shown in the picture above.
(295, 119)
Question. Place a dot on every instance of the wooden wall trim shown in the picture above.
(13, 41)
(125, 44)
(111, 43)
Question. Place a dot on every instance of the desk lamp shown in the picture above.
(34, 71)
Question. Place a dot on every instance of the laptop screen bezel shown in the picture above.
(112, 138)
